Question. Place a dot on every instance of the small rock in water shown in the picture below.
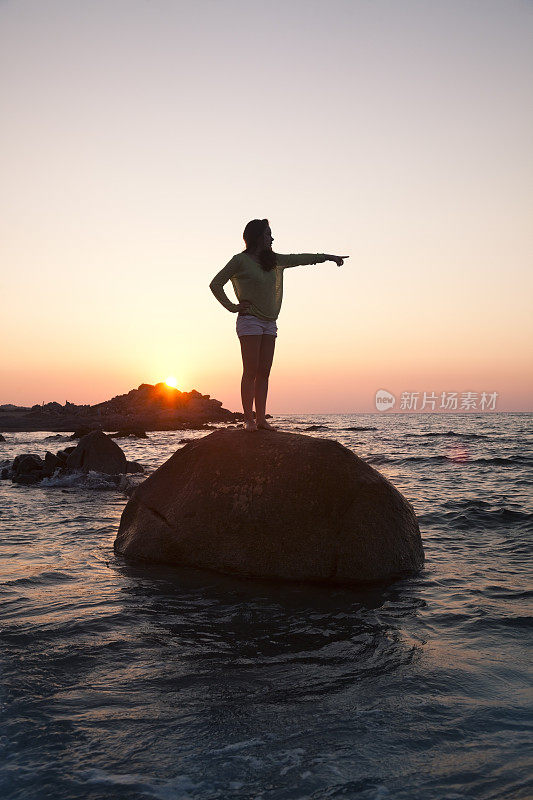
(52, 463)
(27, 468)
(27, 479)
(81, 432)
(27, 462)
(134, 466)
(97, 452)
(357, 428)
(133, 430)
(94, 452)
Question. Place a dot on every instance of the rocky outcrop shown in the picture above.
(156, 407)
(94, 452)
(97, 452)
(272, 505)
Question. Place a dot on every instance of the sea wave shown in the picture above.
(479, 515)
(92, 480)
(449, 433)
(317, 428)
(131, 680)
(379, 458)
(42, 579)
(358, 428)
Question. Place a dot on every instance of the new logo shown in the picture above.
(384, 400)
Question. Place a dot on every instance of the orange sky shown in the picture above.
(397, 133)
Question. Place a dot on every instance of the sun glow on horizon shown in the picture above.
(172, 382)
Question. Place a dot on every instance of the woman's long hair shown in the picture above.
(252, 234)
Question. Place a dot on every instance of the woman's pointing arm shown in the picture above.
(301, 259)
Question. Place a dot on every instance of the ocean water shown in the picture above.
(127, 681)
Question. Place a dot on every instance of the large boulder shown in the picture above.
(98, 452)
(275, 505)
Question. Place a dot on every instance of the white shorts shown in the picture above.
(248, 325)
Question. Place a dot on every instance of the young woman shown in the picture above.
(257, 278)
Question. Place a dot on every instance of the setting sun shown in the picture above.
(172, 381)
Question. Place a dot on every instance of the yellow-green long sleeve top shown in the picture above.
(263, 289)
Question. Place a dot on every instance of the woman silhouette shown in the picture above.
(257, 277)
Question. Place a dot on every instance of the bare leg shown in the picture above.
(266, 355)
(250, 347)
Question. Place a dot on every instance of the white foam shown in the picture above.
(80, 480)
(381, 792)
(238, 745)
(176, 788)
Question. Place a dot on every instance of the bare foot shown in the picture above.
(249, 425)
(265, 426)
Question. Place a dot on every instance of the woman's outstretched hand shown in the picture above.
(339, 260)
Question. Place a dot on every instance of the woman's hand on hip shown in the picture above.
(245, 305)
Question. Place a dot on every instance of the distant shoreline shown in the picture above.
(24, 422)
(10, 425)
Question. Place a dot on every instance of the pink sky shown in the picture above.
(139, 138)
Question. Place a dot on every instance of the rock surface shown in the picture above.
(275, 505)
